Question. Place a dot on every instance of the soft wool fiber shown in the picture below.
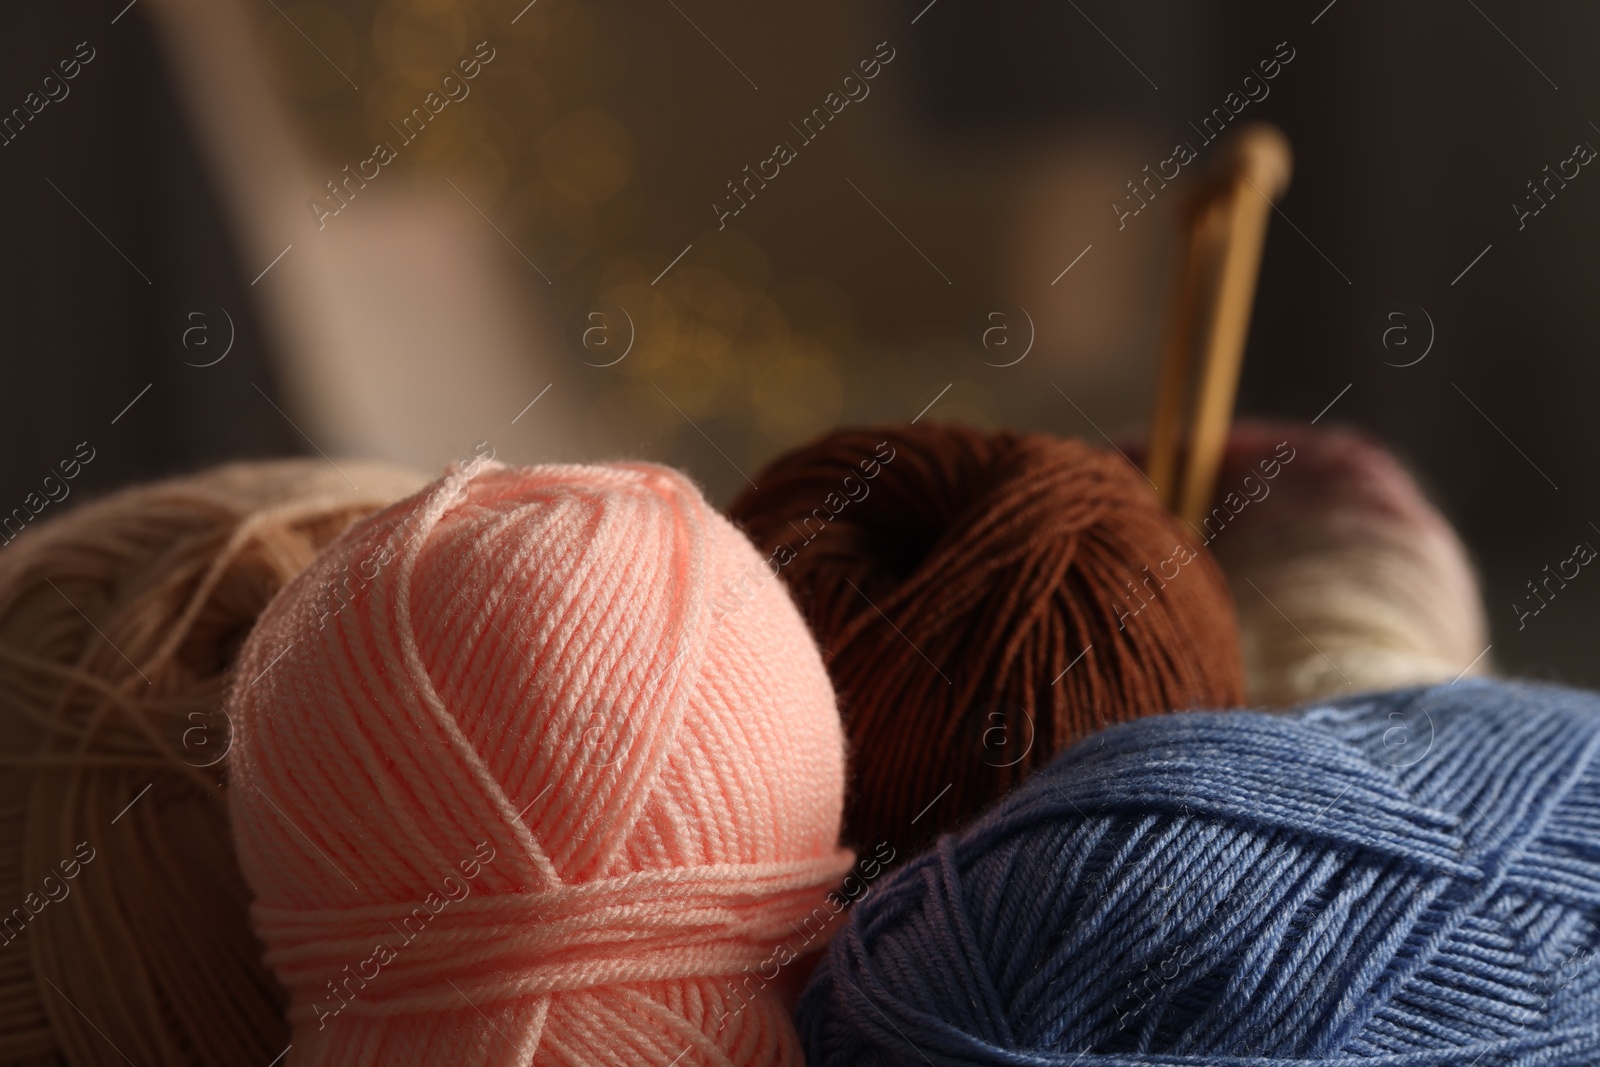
(985, 600)
(150, 940)
(1409, 879)
(1346, 578)
(572, 759)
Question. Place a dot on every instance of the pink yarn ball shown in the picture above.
(557, 741)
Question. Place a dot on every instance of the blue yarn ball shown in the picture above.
(1398, 880)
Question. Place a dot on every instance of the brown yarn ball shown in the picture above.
(124, 933)
(983, 602)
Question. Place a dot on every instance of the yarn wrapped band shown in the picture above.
(1399, 880)
(647, 927)
(986, 599)
(551, 791)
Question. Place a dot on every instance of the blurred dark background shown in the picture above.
(89, 325)
(855, 287)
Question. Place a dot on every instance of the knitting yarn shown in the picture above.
(1397, 880)
(563, 787)
(984, 601)
(123, 927)
(1346, 578)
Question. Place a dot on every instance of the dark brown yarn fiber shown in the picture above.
(983, 601)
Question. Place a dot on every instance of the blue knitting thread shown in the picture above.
(1410, 879)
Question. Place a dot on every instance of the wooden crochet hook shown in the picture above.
(1227, 230)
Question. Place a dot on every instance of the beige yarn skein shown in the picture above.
(1347, 578)
(123, 917)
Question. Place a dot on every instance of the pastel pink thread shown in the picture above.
(556, 738)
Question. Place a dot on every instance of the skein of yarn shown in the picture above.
(563, 787)
(1346, 578)
(1247, 890)
(985, 600)
(123, 925)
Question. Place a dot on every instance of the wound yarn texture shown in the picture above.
(1347, 578)
(124, 933)
(549, 791)
(984, 600)
(1350, 548)
(1403, 879)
